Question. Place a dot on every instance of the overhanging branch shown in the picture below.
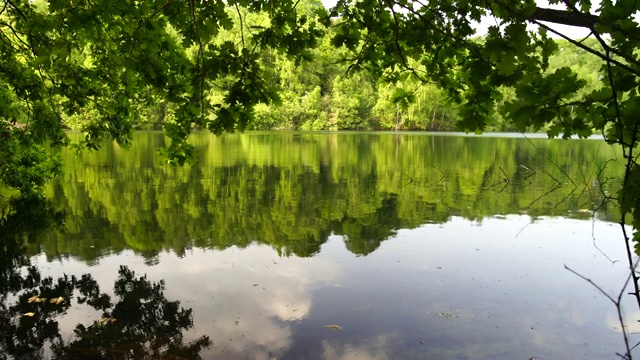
(564, 17)
(574, 18)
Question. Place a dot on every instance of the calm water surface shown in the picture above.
(326, 246)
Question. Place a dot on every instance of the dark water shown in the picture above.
(325, 246)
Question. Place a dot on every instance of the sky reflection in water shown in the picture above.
(459, 290)
(402, 241)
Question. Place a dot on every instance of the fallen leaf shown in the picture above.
(37, 299)
(333, 327)
(57, 300)
(447, 315)
(108, 320)
(29, 314)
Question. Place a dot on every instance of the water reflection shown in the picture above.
(407, 244)
(450, 291)
(140, 323)
(292, 190)
(136, 322)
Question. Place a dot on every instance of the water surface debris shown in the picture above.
(108, 320)
(57, 300)
(37, 299)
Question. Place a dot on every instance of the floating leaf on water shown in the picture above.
(37, 299)
(447, 315)
(29, 314)
(57, 300)
(333, 327)
(108, 320)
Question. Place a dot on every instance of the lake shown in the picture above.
(290, 245)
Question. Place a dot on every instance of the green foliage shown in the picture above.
(351, 102)
(25, 165)
(112, 58)
(403, 98)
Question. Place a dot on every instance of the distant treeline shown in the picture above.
(327, 92)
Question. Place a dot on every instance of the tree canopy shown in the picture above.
(210, 65)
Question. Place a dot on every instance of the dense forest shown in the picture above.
(324, 91)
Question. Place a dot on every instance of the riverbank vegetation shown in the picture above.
(322, 92)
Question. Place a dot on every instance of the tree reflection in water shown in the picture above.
(138, 322)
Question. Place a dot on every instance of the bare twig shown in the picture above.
(551, 189)
(616, 301)
(593, 238)
(526, 178)
(444, 176)
(551, 161)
